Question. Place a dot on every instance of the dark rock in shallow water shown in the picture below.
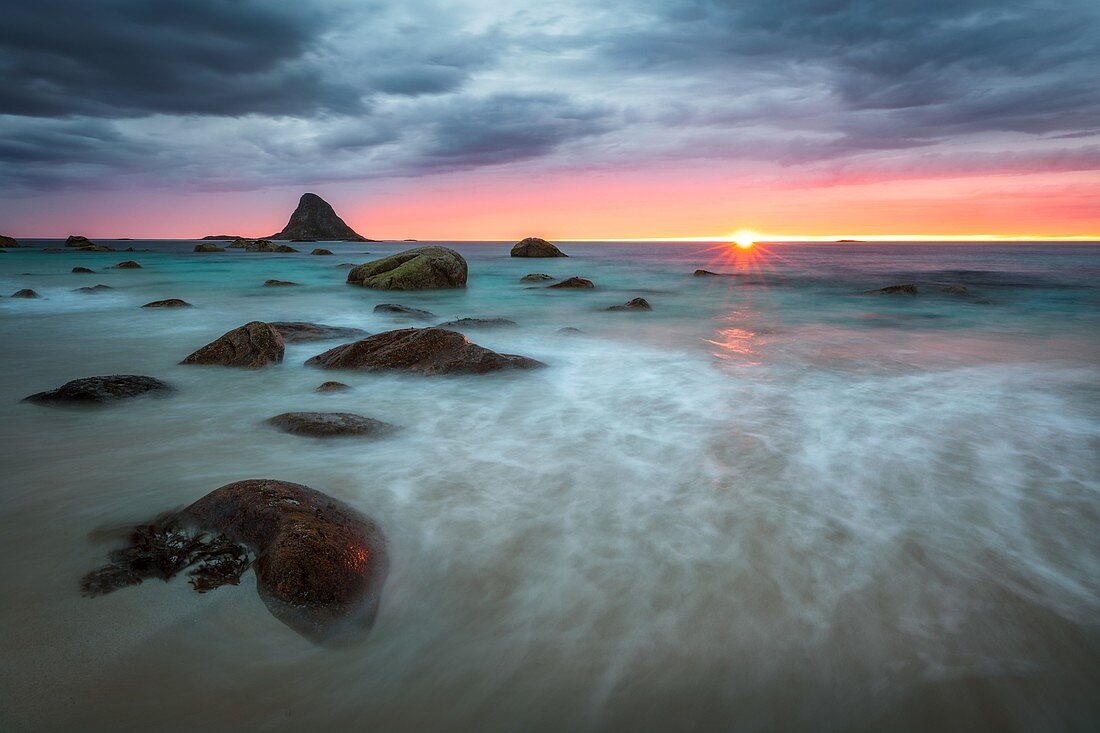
(331, 425)
(477, 323)
(278, 283)
(956, 290)
(320, 565)
(428, 351)
(101, 389)
(420, 268)
(708, 273)
(93, 288)
(127, 265)
(284, 248)
(576, 283)
(315, 219)
(904, 289)
(8, 241)
(402, 310)
(83, 270)
(535, 247)
(535, 277)
(301, 331)
(168, 303)
(637, 304)
(321, 251)
(251, 346)
(208, 247)
(25, 293)
(76, 240)
(569, 330)
(332, 387)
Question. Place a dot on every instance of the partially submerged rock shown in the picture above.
(320, 565)
(637, 304)
(321, 251)
(127, 265)
(278, 283)
(315, 220)
(168, 303)
(427, 351)
(208, 247)
(956, 290)
(535, 277)
(402, 310)
(77, 240)
(93, 288)
(461, 323)
(332, 387)
(569, 330)
(574, 283)
(708, 273)
(535, 247)
(108, 388)
(331, 425)
(25, 293)
(251, 346)
(904, 289)
(420, 268)
(302, 331)
(83, 270)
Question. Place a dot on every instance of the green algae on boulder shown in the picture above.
(420, 268)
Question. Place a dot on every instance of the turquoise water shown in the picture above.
(772, 502)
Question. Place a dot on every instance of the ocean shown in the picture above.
(774, 502)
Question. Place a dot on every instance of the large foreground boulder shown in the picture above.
(331, 425)
(90, 390)
(251, 346)
(420, 268)
(535, 247)
(320, 565)
(315, 220)
(302, 331)
(427, 351)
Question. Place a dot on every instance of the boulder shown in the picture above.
(101, 389)
(321, 251)
(251, 346)
(93, 288)
(284, 248)
(402, 310)
(208, 247)
(301, 331)
(76, 240)
(420, 268)
(25, 293)
(278, 283)
(535, 247)
(332, 387)
(8, 241)
(535, 277)
(127, 265)
(168, 303)
(320, 565)
(637, 304)
(427, 351)
(331, 425)
(315, 219)
(462, 323)
(904, 289)
(83, 270)
(574, 283)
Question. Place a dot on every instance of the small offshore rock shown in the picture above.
(301, 331)
(321, 251)
(569, 330)
(25, 293)
(168, 303)
(637, 304)
(332, 387)
(535, 247)
(76, 240)
(903, 289)
(208, 247)
(101, 389)
(573, 283)
(535, 277)
(478, 323)
(93, 288)
(330, 424)
(127, 265)
(278, 283)
(83, 270)
(402, 310)
(251, 346)
(956, 290)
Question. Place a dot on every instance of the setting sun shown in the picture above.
(745, 238)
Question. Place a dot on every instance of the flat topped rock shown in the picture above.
(127, 265)
(420, 268)
(331, 425)
(315, 219)
(637, 304)
(904, 289)
(215, 237)
(535, 247)
(535, 277)
(573, 283)
(208, 247)
(320, 565)
(278, 283)
(93, 288)
(25, 293)
(302, 331)
(109, 388)
(251, 346)
(427, 351)
(168, 303)
(402, 310)
(478, 323)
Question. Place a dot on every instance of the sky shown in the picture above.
(478, 119)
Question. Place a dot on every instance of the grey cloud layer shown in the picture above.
(230, 92)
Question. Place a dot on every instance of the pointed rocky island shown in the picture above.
(315, 220)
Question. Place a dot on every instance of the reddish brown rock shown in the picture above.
(251, 346)
(574, 283)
